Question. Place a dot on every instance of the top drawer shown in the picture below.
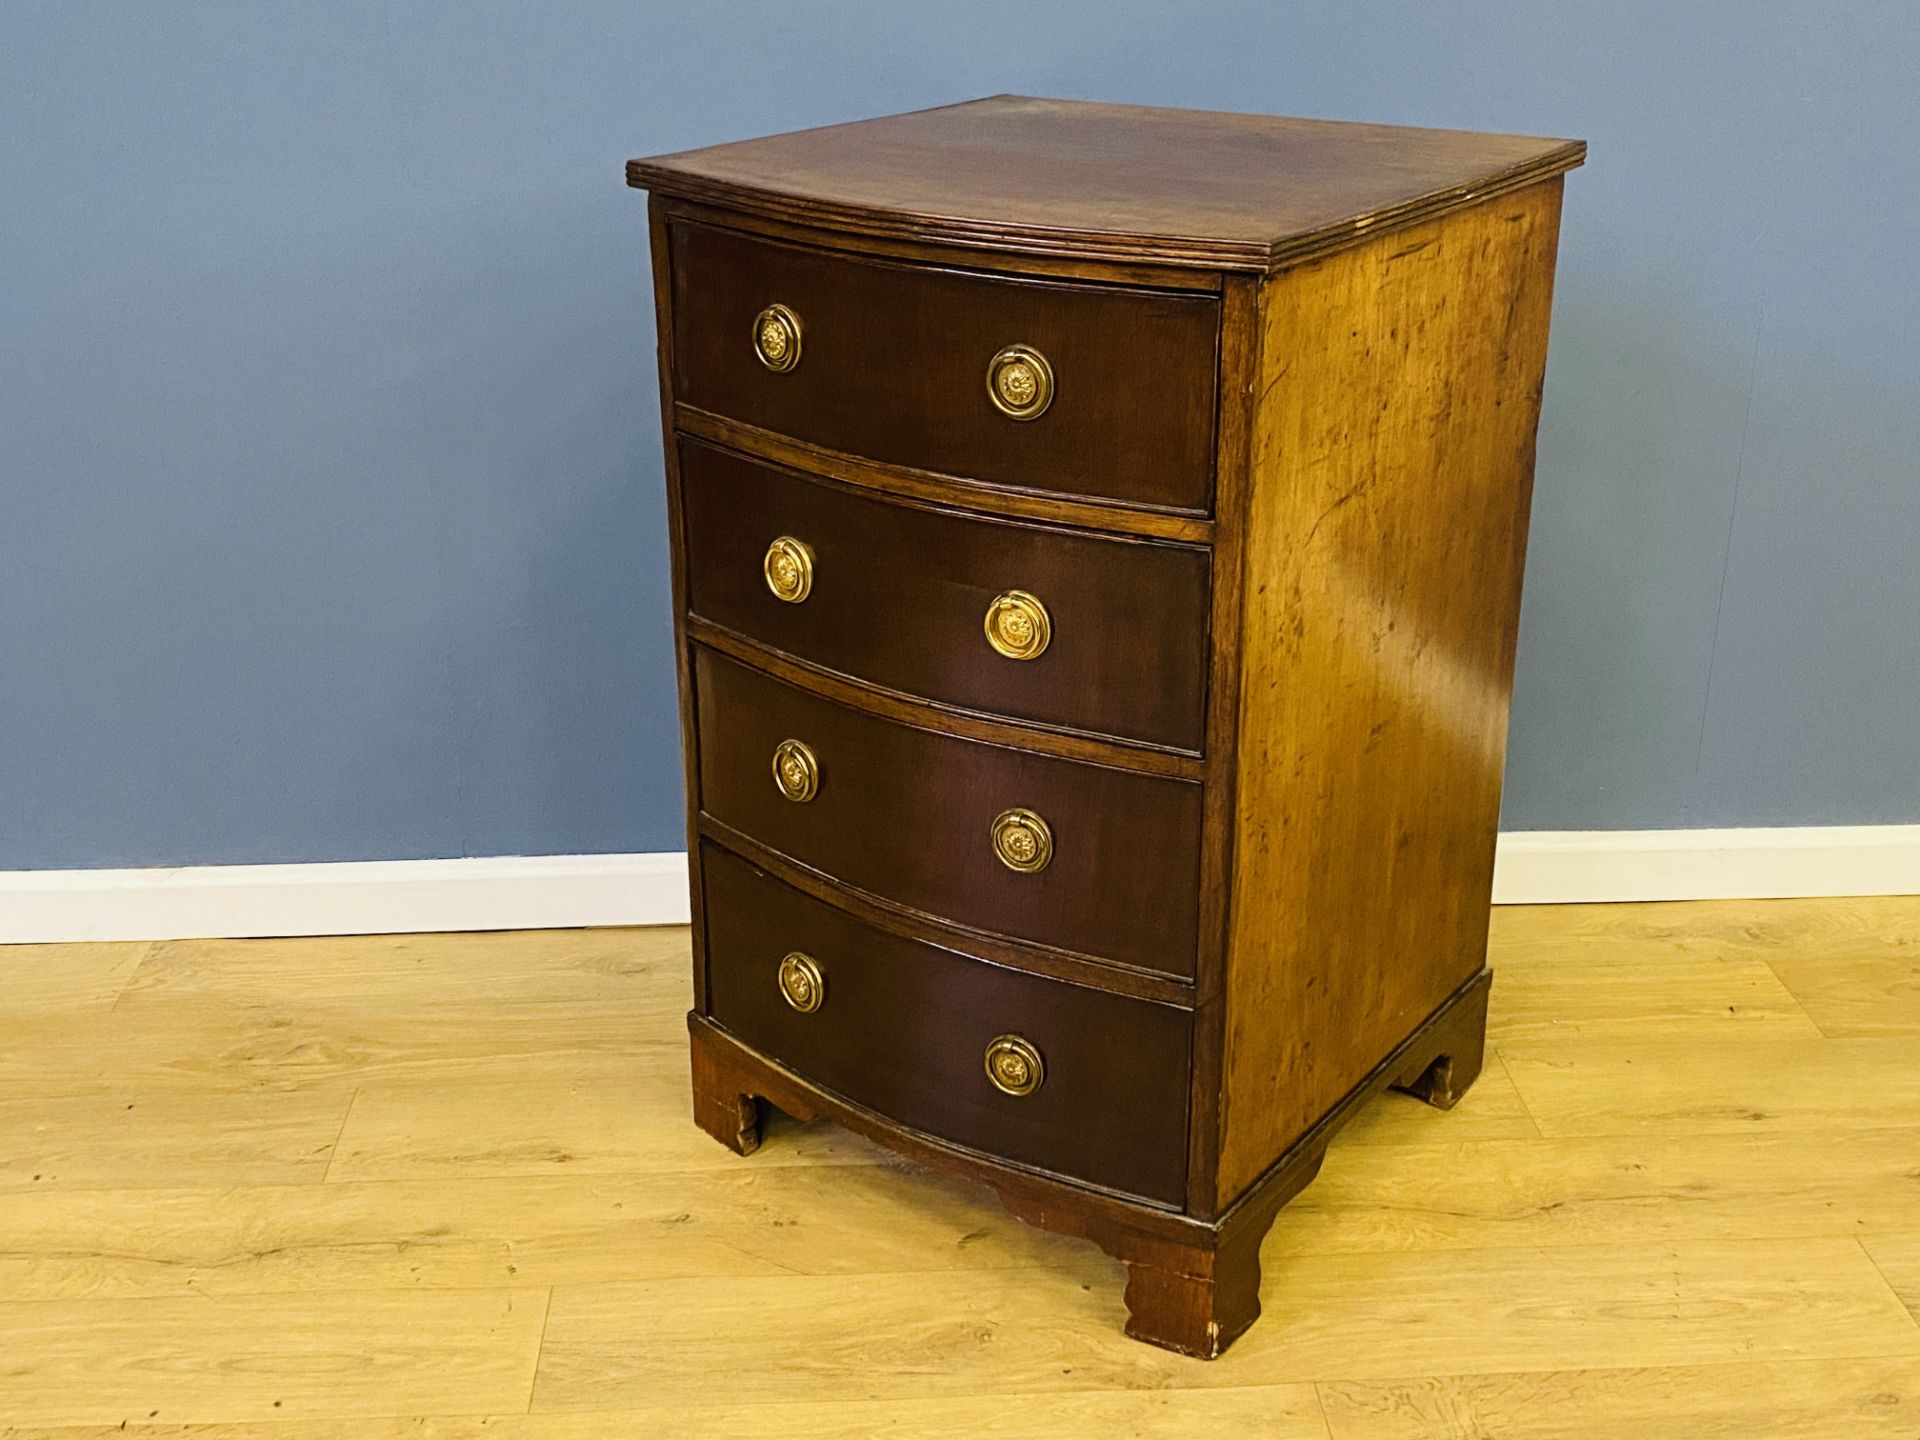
(892, 363)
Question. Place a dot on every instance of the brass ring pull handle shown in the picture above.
(776, 338)
(1020, 382)
(789, 569)
(1018, 625)
(796, 770)
(1022, 841)
(1014, 1066)
(801, 984)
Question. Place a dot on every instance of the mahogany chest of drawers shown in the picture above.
(1097, 543)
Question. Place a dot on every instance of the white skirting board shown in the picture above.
(1562, 867)
(353, 897)
(370, 897)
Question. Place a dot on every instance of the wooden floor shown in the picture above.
(447, 1186)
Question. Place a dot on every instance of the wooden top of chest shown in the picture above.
(1088, 181)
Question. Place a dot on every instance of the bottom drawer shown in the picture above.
(905, 1029)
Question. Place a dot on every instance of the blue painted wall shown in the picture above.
(330, 512)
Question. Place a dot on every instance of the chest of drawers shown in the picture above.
(1097, 537)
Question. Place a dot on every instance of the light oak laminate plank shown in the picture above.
(283, 1358)
(544, 1230)
(199, 1045)
(1898, 1259)
(1676, 997)
(164, 1140)
(1659, 928)
(1491, 1110)
(1333, 1316)
(1875, 1399)
(627, 1115)
(1272, 1412)
(1849, 995)
(1627, 1191)
(1748, 1086)
(1655, 971)
(1857, 971)
(52, 979)
(516, 967)
(1852, 964)
(1692, 928)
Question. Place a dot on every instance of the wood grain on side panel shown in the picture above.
(1393, 446)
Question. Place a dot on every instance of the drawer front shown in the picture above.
(898, 595)
(904, 1028)
(922, 819)
(893, 365)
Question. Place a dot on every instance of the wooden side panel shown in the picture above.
(1393, 454)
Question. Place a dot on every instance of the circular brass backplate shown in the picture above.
(1014, 1066)
(1022, 841)
(1018, 625)
(789, 569)
(776, 338)
(801, 984)
(796, 770)
(1020, 382)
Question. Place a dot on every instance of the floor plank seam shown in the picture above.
(1892, 1289)
(1794, 996)
(722, 1401)
(9, 1192)
(1320, 1407)
(1064, 1268)
(539, 1352)
(14, 1303)
(333, 1154)
(1526, 1110)
(133, 972)
(782, 1272)
(1368, 1380)
(1731, 1362)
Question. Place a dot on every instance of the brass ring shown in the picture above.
(789, 569)
(1022, 841)
(796, 770)
(1018, 625)
(801, 984)
(776, 338)
(1014, 1066)
(1020, 382)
